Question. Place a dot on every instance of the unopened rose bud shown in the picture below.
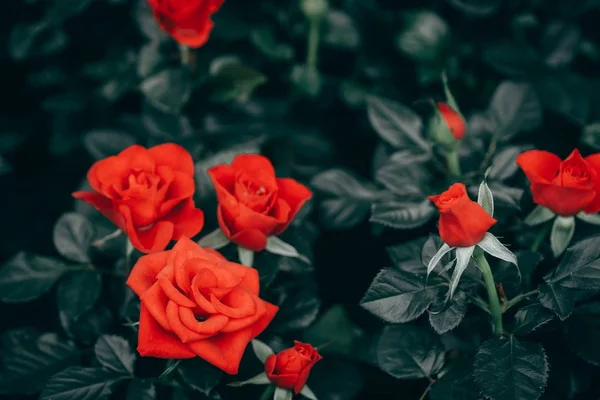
(314, 8)
(447, 126)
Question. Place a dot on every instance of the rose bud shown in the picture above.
(463, 222)
(253, 203)
(447, 126)
(289, 369)
(565, 187)
(195, 303)
(147, 193)
(187, 21)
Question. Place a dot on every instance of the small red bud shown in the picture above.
(454, 120)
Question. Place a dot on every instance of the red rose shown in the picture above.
(453, 120)
(463, 222)
(566, 187)
(253, 203)
(196, 303)
(147, 193)
(290, 368)
(187, 21)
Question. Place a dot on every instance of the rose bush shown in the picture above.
(195, 303)
(187, 21)
(253, 203)
(290, 368)
(147, 193)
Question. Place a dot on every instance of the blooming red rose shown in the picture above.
(290, 368)
(196, 303)
(463, 222)
(147, 193)
(454, 121)
(187, 21)
(566, 187)
(253, 203)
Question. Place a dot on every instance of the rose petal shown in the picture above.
(295, 195)
(182, 331)
(209, 327)
(155, 301)
(186, 244)
(562, 200)
(202, 302)
(147, 240)
(143, 274)
(465, 224)
(154, 341)
(238, 303)
(251, 239)
(102, 204)
(593, 162)
(173, 156)
(235, 324)
(180, 188)
(538, 165)
(187, 220)
(175, 295)
(255, 165)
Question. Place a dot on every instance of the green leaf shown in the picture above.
(306, 79)
(400, 215)
(141, 390)
(260, 379)
(592, 219)
(334, 326)
(283, 394)
(245, 256)
(25, 277)
(409, 352)
(591, 136)
(582, 331)
(508, 369)
(264, 40)
(277, 246)
(231, 80)
(200, 375)
(168, 90)
(306, 392)
(437, 257)
(78, 292)
(405, 174)
(557, 298)
(78, 383)
(397, 296)
(115, 354)
(298, 303)
(485, 198)
(561, 234)
(29, 363)
(347, 199)
(36, 40)
(516, 108)
(214, 240)
(408, 250)
(449, 318)
(539, 215)
(457, 383)
(476, 8)
(425, 36)
(491, 245)
(504, 163)
(463, 258)
(530, 318)
(579, 267)
(340, 30)
(262, 350)
(103, 143)
(396, 124)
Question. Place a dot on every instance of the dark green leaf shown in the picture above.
(103, 143)
(409, 352)
(78, 292)
(449, 317)
(530, 318)
(512, 59)
(406, 251)
(400, 215)
(579, 267)
(141, 390)
(515, 108)
(477, 8)
(306, 79)
(582, 331)
(569, 95)
(168, 90)
(88, 327)
(61, 10)
(456, 384)
(231, 80)
(340, 30)
(503, 164)
(334, 326)
(78, 383)
(73, 234)
(405, 175)
(557, 298)
(396, 124)
(425, 36)
(508, 369)
(591, 135)
(264, 40)
(30, 362)
(37, 40)
(430, 248)
(334, 378)
(26, 277)
(299, 306)
(397, 296)
(199, 375)
(114, 354)
(561, 43)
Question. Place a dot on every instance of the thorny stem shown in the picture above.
(490, 286)
(515, 300)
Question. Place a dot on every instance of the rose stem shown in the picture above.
(453, 162)
(539, 238)
(268, 393)
(312, 52)
(490, 286)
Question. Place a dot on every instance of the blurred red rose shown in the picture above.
(453, 120)
(196, 303)
(187, 21)
(147, 193)
(566, 187)
(289, 369)
(253, 202)
(463, 222)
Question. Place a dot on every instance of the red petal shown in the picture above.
(148, 240)
(143, 274)
(187, 220)
(102, 204)
(154, 341)
(173, 294)
(539, 166)
(182, 331)
(208, 327)
(251, 239)
(186, 244)
(174, 156)
(562, 200)
(593, 162)
(465, 224)
(295, 195)
(254, 164)
(138, 158)
(155, 301)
